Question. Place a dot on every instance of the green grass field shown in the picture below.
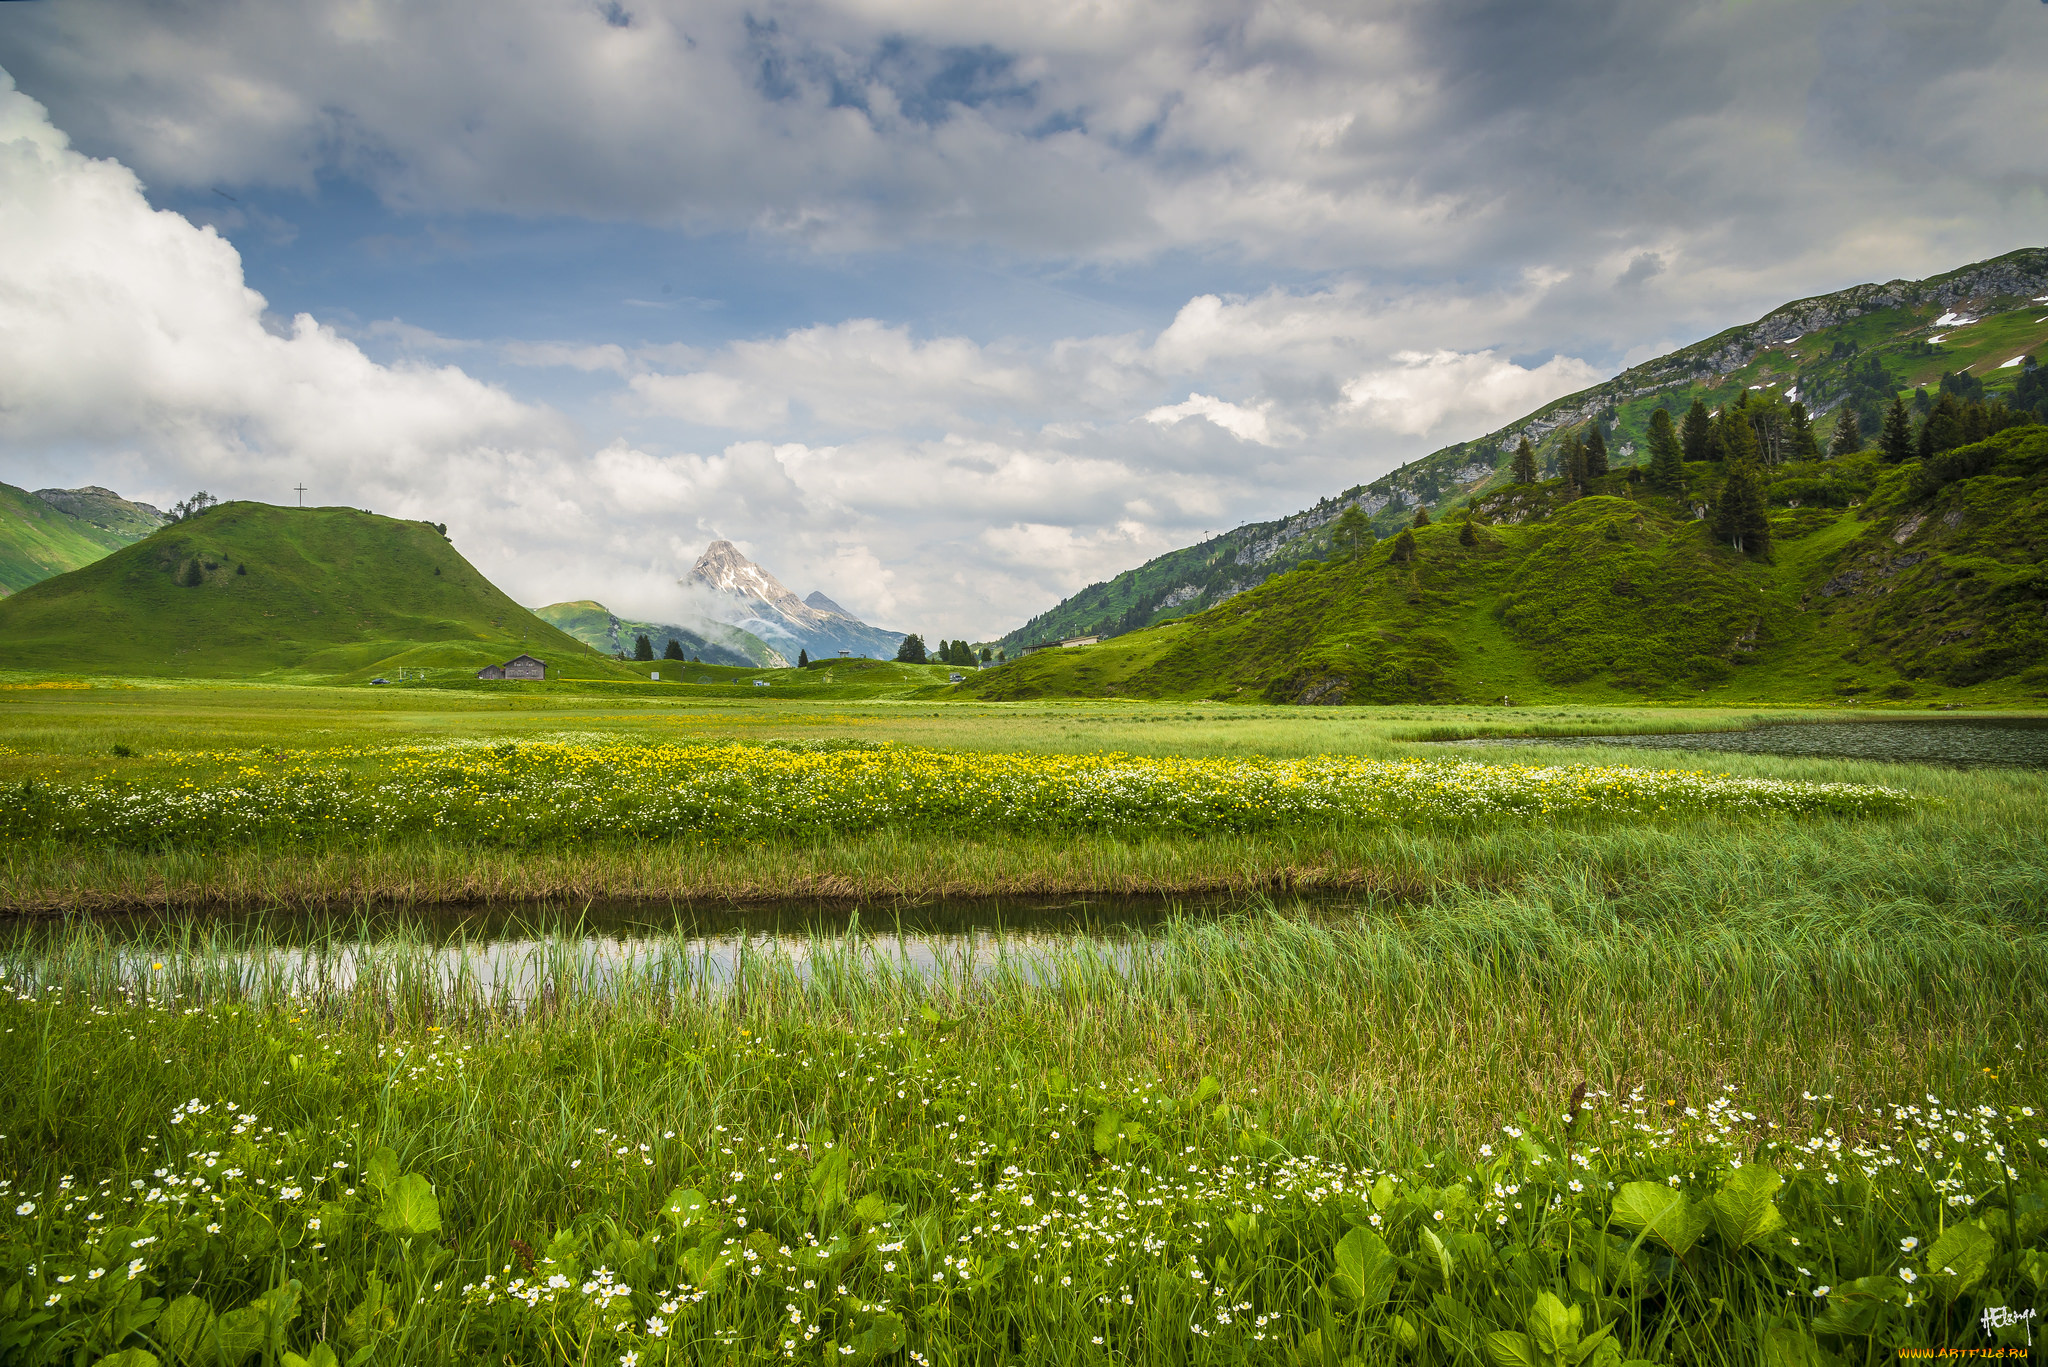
(1318, 1117)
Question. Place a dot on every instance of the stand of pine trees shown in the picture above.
(1740, 518)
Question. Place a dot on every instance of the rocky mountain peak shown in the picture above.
(723, 569)
(824, 604)
(744, 595)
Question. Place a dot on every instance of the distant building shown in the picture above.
(1042, 645)
(518, 667)
(1081, 641)
(760, 683)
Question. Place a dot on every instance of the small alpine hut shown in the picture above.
(518, 667)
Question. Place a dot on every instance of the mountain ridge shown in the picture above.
(1889, 321)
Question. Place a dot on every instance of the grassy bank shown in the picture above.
(1285, 1136)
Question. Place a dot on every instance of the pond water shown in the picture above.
(2017, 742)
(525, 953)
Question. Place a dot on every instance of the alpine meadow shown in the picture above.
(880, 686)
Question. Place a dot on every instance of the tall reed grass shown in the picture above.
(1025, 1139)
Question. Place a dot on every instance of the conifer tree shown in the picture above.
(1697, 437)
(1667, 471)
(1805, 446)
(1524, 469)
(1946, 427)
(1351, 532)
(1466, 536)
(1404, 547)
(912, 651)
(674, 651)
(1848, 438)
(1896, 441)
(1596, 451)
(1740, 517)
(1734, 438)
(643, 649)
(1421, 515)
(803, 659)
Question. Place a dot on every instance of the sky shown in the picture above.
(945, 308)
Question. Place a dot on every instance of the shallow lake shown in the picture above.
(2019, 742)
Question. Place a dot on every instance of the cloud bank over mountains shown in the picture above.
(1430, 218)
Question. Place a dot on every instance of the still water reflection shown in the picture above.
(528, 953)
(2020, 742)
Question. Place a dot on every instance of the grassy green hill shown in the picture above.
(38, 540)
(1931, 589)
(247, 589)
(717, 643)
(1821, 350)
(107, 510)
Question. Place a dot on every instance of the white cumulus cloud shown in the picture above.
(1246, 424)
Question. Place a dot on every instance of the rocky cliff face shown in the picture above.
(728, 587)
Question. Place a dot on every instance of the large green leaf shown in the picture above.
(828, 1182)
(185, 1324)
(1663, 1212)
(1743, 1209)
(410, 1209)
(128, 1357)
(881, 1338)
(1787, 1345)
(1506, 1348)
(1961, 1257)
(1433, 1249)
(683, 1206)
(380, 1174)
(1365, 1269)
(237, 1336)
(1554, 1326)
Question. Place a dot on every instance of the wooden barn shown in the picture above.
(518, 667)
